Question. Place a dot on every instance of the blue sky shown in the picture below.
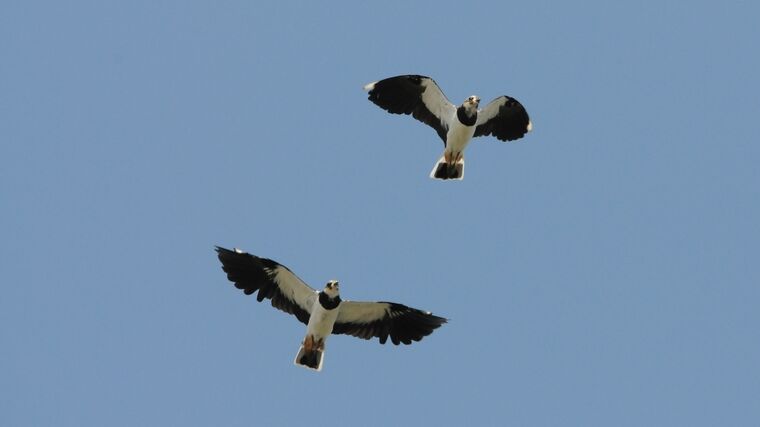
(601, 271)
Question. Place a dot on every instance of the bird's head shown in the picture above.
(471, 102)
(332, 289)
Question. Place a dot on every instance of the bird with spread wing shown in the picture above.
(504, 117)
(324, 312)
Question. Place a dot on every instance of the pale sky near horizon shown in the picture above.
(602, 271)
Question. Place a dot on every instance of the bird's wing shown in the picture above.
(383, 319)
(505, 118)
(419, 96)
(273, 281)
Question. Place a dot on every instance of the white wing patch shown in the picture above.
(293, 288)
(490, 111)
(437, 103)
(362, 312)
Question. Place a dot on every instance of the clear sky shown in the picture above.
(603, 271)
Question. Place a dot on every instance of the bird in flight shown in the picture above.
(324, 312)
(504, 117)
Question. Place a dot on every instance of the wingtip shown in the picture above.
(220, 249)
(438, 320)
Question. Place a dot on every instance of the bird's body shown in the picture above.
(420, 96)
(322, 319)
(324, 313)
(458, 136)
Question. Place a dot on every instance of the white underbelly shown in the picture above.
(458, 137)
(321, 321)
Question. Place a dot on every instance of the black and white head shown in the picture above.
(471, 104)
(332, 289)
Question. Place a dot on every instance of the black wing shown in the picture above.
(367, 320)
(419, 96)
(273, 281)
(505, 118)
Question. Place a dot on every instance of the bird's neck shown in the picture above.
(467, 117)
(328, 303)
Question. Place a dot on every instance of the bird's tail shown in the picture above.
(443, 170)
(311, 359)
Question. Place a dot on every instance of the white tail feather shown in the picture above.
(309, 364)
(441, 164)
